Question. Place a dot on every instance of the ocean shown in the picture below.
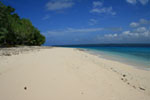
(136, 55)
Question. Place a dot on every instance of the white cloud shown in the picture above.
(144, 21)
(132, 1)
(46, 17)
(147, 33)
(141, 22)
(134, 24)
(141, 32)
(59, 4)
(72, 30)
(85, 30)
(97, 4)
(137, 34)
(93, 21)
(99, 9)
(107, 10)
(143, 2)
(126, 33)
(81, 30)
(111, 35)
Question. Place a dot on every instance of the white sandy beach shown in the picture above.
(70, 74)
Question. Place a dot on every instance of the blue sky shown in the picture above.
(87, 21)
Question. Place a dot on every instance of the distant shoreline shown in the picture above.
(113, 58)
(109, 45)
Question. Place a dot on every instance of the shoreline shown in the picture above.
(115, 58)
(123, 71)
(68, 73)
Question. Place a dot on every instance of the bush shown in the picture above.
(16, 31)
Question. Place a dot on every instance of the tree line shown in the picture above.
(17, 31)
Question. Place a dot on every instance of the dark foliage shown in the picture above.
(17, 31)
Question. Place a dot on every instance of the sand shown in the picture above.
(70, 74)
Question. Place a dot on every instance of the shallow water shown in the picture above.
(136, 56)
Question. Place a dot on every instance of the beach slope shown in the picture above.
(70, 74)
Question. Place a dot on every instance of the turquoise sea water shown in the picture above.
(136, 56)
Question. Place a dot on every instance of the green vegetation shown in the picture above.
(17, 31)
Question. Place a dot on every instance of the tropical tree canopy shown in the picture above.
(17, 31)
